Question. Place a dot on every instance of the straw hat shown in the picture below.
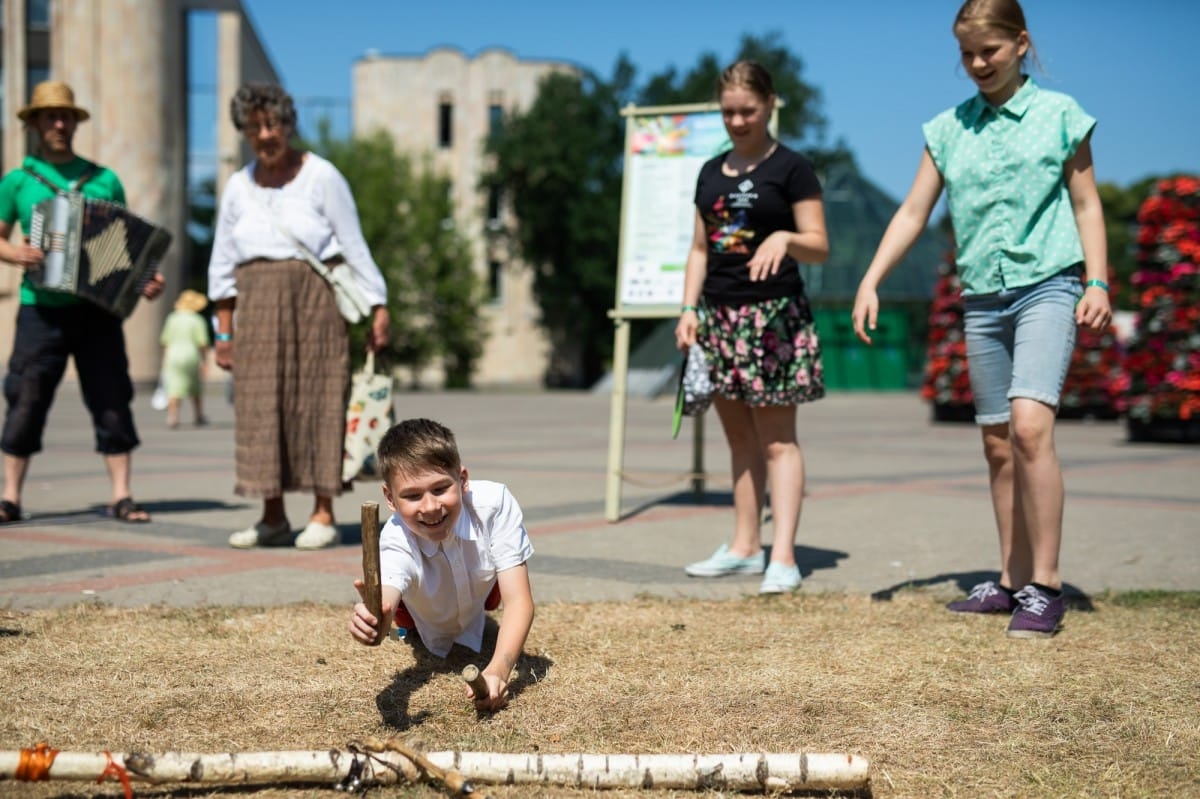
(52, 94)
(190, 300)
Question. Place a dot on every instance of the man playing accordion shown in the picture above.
(53, 326)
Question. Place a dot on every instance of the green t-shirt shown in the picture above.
(20, 191)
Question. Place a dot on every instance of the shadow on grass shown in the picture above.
(393, 701)
(965, 581)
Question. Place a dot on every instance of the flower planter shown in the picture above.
(1166, 431)
(1162, 363)
(947, 412)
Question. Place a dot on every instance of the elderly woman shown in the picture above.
(288, 346)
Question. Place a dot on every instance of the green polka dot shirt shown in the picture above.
(1003, 169)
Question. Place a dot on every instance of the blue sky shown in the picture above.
(882, 66)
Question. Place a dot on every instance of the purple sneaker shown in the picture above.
(1039, 615)
(985, 598)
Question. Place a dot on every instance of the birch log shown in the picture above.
(747, 772)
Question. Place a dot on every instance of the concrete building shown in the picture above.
(127, 62)
(443, 105)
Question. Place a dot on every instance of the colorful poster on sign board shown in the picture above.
(665, 154)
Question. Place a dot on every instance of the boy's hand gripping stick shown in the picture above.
(473, 678)
(372, 586)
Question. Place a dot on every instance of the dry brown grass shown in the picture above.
(941, 704)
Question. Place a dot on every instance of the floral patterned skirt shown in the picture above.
(763, 353)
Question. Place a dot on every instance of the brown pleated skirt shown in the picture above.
(291, 375)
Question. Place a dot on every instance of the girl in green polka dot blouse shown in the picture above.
(1016, 163)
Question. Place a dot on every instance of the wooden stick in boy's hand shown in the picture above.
(473, 678)
(372, 592)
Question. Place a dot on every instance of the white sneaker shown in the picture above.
(318, 536)
(262, 535)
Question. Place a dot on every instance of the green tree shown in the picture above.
(560, 164)
(201, 224)
(800, 117)
(407, 219)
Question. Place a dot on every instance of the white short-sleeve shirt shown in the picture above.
(444, 585)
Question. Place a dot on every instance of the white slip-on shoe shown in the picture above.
(721, 563)
(318, 536)
(262, 535)
(780, 579)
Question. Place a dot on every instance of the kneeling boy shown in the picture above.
(446, 547)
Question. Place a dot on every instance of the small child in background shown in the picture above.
(448, 548)
(185, 349)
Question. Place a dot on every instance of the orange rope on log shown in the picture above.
(118, 773)
(34, 765)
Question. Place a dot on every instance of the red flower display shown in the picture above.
(947, 383)
(1162, 392)
(1095, 384)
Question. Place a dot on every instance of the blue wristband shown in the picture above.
(223, 336)
(1097, 283)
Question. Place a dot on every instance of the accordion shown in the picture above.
(95, 250)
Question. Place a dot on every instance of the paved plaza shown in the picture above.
(893, 500)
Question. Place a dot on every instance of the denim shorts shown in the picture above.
(1019, 343)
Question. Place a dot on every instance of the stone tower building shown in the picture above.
(444, 104)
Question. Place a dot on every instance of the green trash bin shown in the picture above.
(883, 365)
(889, 370)
(851, 365)
(833, 346)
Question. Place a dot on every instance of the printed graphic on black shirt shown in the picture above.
(727, 229)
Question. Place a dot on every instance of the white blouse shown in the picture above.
(316, 207)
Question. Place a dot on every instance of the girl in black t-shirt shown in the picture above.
(758, 212)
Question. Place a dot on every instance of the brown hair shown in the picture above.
(747, 75)
(1001, 16)
(417, 445)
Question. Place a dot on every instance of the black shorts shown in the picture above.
(45, 338)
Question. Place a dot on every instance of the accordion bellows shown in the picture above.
(96, 250)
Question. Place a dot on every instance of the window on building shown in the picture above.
(493, 205)
(495, 280)
(35, 75)
(495, 111)
(445, 122)
(37, 13)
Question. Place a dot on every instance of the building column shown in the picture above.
(15, 91)
(125, 59)
(229, 79)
